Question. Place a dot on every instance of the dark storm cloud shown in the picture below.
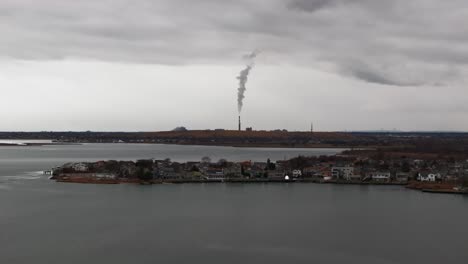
(396, 42)
(311, 5)
(374, 77)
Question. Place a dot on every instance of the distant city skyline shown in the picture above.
(152, 65)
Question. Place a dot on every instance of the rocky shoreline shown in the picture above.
(429, 188)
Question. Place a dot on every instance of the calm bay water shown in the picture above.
(46, 222)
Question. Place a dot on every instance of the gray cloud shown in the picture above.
(374, 77)
(395, 42)
(312, 5)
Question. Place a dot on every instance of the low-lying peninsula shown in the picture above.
(445, 176)
(433, 142)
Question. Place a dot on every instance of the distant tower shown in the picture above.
(239, 124)
(311, 127)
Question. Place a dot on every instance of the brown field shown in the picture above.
(205, 134)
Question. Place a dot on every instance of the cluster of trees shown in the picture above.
(144, 169)
(221, 163)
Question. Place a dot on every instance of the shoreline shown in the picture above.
(28, 144)
(257, 181)
(428, 187)
(182, 181)
(218, 144)
(279, 146)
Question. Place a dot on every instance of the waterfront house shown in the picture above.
(276, 174)
(309, 171)
(214, 174)
(428, 177)
(402, 176)
(342, 172)
(296, 173)
(379, 176)
(80, 167)
(166, 173)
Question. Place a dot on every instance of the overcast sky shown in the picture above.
(145, 65)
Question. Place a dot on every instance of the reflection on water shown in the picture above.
(229, 223)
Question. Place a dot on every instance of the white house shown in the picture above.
(214, 174)
(429, 177)
(379, 176)
(345, 172)
(296, 173)
(82, 167)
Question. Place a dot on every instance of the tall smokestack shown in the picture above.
(239, 124)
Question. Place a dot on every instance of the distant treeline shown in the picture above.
(417, 142)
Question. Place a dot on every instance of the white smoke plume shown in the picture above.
(243, 77)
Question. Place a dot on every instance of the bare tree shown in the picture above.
(206, 160)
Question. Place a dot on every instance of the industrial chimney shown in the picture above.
(239, 124)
